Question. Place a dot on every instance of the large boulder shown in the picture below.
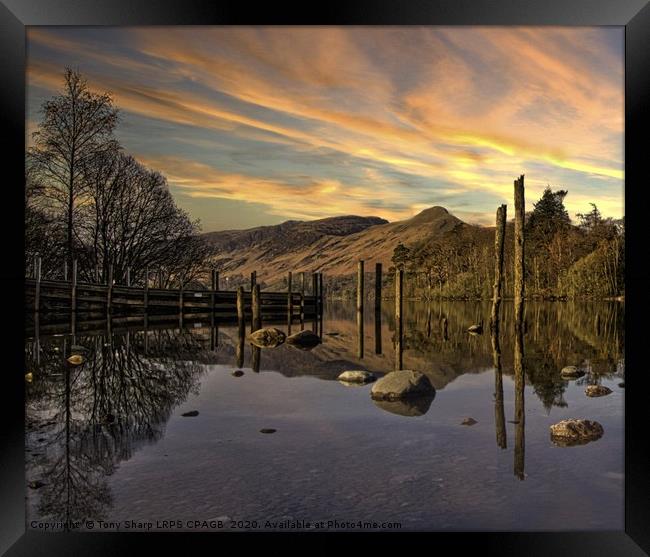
(597, 390)
(304, 339)
(571, 372)
(356, 377)
(402, 384)
(269, 337)
(575, 432)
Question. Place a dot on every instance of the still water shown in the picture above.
(107, 442)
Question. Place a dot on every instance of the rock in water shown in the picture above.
(477, 329)
(267, 338)
(597, 390)
(409, 407)
(571, 371)
(76, 360)
(237, 373)
(400, 384)
(304, 339)
(575, 432)
(357, 376)
(268, 430)
(190, 414)
(468, 421)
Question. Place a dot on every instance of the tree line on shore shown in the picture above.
(88, 200)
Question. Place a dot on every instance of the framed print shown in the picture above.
(379, 271)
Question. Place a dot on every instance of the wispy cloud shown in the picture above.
(311, 122)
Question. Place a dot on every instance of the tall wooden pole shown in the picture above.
(360, 296)
(499, 412)
(302, 299)
(378, 272)
(109, 289)
(256, 303)
(289, 300)
(128, 276)
(241, 318)
(499, 235)
(399, 289)
(146, 289)
(321, 289)
(519, 250)
(65, 270)
(215, 287)
(253, 279)
(314, 292)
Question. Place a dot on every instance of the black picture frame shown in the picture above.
(15, 15)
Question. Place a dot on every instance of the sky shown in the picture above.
(257, 125)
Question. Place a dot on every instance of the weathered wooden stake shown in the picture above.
(499, 236)
(65, 270)
(360, 296)
(180, 305)
(256, 302)
(37, 294)
(253, 279)
(520, 413)
(377, 332)
(241, 318)
(128, 276)
(445, 329)
(146, 289)
(109, 289)
(499, 412)
(519, 251)
(289, 300)
(399, 289)
(256, 357)
(321, 290)
(302, 300)
(378, 287)
(314, 285)
(73, 293)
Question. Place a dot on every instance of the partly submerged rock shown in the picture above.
(76, 360)
(597, 390)
(268, 430)
(571, 371)
(357, 377)
(269, 337)
(237, 373)
(190, 414)
(400, 384)
(409, 407)
(304, 339)
(575, 432)
(469, 421)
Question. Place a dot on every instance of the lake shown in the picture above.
(108, 447)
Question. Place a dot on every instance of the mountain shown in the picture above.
(332, 245)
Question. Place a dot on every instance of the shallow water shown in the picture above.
(109, 442)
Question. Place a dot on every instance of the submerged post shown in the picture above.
(519, 251)
(499, 235)
(256, 303)
(74, 286)
(37, 276)
(399, 278)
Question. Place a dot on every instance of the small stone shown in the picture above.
(469, 421)
(76, 360)
(597, 390)
(190, 414)
(237, 373)
(575, 432)
(268, 430)
(571, 371)
(357, 376)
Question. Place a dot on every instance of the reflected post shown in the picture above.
(399, 279)
(360, 293)
(378, 273)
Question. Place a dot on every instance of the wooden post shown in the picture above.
(256, 303)
(499, 412)
(97, 274)
(128, 276)
(399, 279)
(519, 250)
(146, 289)
(109, 289)
(160, 280)
(499, 235)
(253, 279)
(180, 304)
(289, 301)
(445, 328)
(378, 287)
(37, 292)
(214, 288)
(240, 305)
(320, 296)
(73, 293)
(360, 296)
(65, 270)
(302, 300)
(256, 356)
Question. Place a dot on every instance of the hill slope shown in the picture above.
(332, 245)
